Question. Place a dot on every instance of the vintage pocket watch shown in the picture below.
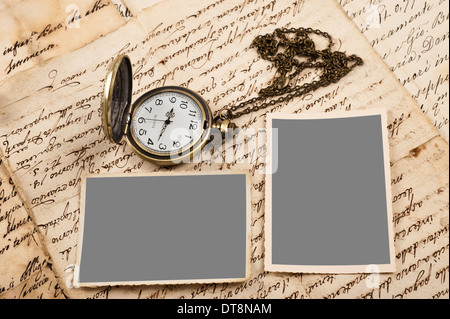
(169, 125)
(166, 126)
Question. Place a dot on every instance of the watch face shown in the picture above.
(168, 122)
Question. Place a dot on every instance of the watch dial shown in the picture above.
(167, 122)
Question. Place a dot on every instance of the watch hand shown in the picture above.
(147, 119)
(166, 122)
(170, 114)
(163, 130)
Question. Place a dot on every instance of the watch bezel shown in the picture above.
(186, 153)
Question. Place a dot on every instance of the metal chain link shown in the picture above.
(295, 43)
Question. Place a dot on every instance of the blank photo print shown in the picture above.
(164, 228)
(328, 197)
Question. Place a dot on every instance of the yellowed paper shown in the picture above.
(52, 136)
(412, 37)
(25, 268)
(136, 6)
(33, 31)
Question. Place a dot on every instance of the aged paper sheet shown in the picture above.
(51, 30)
(412, 37)
(51, 136)
(136, 7)
(25, 269)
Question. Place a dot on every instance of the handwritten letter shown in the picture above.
(412, 37)
(51, 30)
(25, 268)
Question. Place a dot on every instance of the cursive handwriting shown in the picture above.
(409, 36)
(206, 47)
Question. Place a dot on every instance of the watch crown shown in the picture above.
(224, 126)
(226, 129)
